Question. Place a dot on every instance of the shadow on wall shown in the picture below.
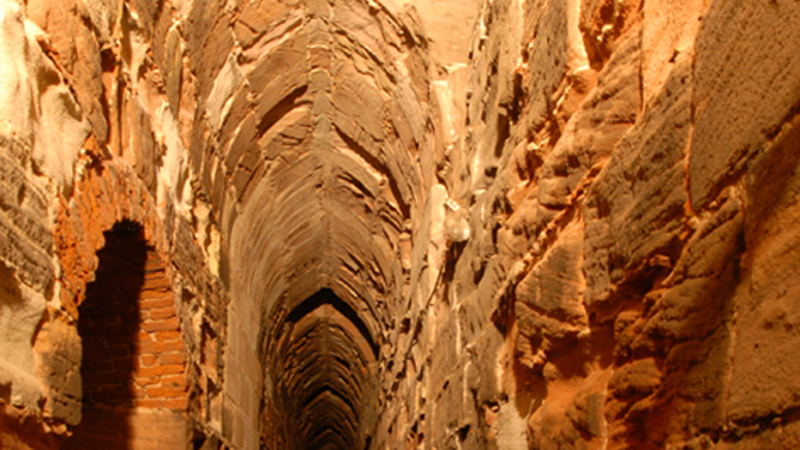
(108, 325)
(135, 392)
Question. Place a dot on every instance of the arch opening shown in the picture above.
(132, 364)
(321, 392)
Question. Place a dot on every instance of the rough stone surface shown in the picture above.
(385, 224)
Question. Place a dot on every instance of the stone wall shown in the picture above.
(615, 166)
(399, 224)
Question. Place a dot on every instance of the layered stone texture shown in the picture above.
(625, 244)
(317, 124)
(69, 179)
(295, 224)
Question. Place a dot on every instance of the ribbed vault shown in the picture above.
(319, 149)
(323, 367)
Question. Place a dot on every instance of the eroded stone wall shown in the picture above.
(399, 224)
(616, 243)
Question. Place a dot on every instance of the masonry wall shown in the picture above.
(614, 166)
(476, 224)
(133, 361)
(126, 324)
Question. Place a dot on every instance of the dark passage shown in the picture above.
(322, 369)
(133, 368)
(108, 323)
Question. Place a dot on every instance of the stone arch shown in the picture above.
(321, 369)
(317, 179)
(116, 283)
(106, 194)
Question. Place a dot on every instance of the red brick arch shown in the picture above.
(110, 193)
(107, 194)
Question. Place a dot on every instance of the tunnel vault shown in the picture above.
(319, 150)
(321, 368)
(296, 224)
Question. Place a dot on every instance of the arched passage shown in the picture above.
(116, 285)
(318, 174)
(132, 366)
(321, 367)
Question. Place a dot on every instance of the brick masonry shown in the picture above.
(562, 224)
(133, 352)
(116, 281)
(109, 192)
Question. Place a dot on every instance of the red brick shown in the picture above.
(180, 403)
(156, 302)
(149, 402)
(162, 313)
(166, 392)
(166, 336)
(155, 371)
(154, 263)
(172, 358)
(158, 283)
(147, 360)
(142, 381)
(143, 337)
(176, 381)
(160, 347)
(157, 325)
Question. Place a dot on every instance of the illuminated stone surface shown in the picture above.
(408, 224)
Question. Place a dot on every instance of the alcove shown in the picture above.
(133, 364)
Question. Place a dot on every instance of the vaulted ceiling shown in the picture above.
(319, 148)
